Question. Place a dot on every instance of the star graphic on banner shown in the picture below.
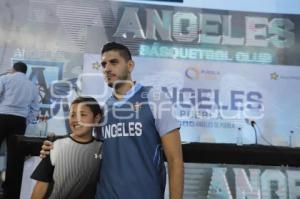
(274, 76)
(96, 65)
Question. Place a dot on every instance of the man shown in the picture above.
(18, 103)
(138, 128)
(132, 165)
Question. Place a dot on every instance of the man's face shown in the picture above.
(115, 67)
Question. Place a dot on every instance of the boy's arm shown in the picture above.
(40, 189)
(44, 171)
(43, 175)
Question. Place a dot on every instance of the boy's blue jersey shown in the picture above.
(133, 165)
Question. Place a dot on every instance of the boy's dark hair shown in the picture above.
(122, 49)
(20, 67)
(91, 103)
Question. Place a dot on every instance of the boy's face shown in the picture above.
(115, 67)
(82, 120)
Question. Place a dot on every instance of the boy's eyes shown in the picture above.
(81, 114)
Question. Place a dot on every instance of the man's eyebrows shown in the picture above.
(111, 60)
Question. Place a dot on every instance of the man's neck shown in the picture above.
(121, 90)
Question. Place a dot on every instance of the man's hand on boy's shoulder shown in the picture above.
(47, 146)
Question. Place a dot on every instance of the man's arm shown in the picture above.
(39, 190)
(46, 147)
(173, 152)
(168, 129)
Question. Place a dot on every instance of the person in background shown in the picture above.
(19, 105)
(73, 164)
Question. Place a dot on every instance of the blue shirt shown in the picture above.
(133, 166)
(18, 96)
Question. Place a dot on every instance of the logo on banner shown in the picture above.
(192, 73)
(166, 31)
(274, 76)
(210, 74)
(96, 66)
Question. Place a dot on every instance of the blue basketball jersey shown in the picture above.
(133, 166)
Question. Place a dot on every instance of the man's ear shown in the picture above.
(11, 70)
(130, 65)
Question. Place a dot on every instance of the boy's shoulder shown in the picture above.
(61, 138)
(60, 142)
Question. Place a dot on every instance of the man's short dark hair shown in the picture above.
(122, 49)
(20, 67)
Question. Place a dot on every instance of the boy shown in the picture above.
(73, 165)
